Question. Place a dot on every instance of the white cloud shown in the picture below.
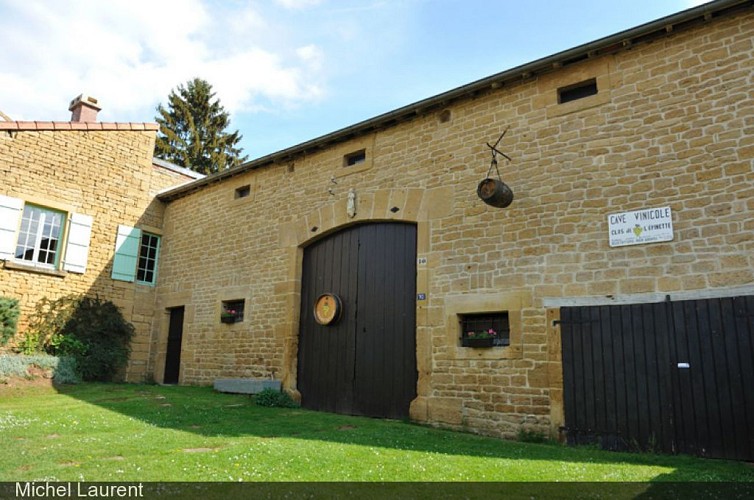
(130, 53)
(298, 4)
(311, 55)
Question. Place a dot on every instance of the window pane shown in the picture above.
(39, 235)
(145, 271)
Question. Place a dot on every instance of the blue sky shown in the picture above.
(287, 70)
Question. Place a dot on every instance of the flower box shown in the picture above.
(227, 319)
(478, 342)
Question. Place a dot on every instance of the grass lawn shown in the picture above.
(107, 432)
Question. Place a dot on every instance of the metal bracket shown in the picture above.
(496, 151)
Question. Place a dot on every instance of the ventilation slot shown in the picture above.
(578, 91)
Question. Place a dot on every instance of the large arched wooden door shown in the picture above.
(364, 363)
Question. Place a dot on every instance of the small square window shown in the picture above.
(355, 158)
(577, 91)
(232, 311)
(243, 192)
(485, 329)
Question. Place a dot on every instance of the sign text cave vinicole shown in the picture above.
(650, 225)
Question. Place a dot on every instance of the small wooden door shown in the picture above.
(365, 363)
(175, 337)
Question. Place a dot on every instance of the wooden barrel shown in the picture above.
(327, 309)
(495, 193)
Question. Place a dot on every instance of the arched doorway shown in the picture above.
(364, 362)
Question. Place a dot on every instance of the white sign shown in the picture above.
(650, 225)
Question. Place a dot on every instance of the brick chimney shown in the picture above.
(84, 108)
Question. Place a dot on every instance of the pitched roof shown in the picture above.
(614, 43)
(30, 126)
(177, 168)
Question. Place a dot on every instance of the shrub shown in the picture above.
(30, 344)
(63, 369)
(9, 312)
(48, 320)
(90, 330)
(271, 397)
(532, 436)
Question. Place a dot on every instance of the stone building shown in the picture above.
(71, 192)
(363, 270)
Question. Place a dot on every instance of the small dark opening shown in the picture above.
(355, 158)
(577, 91)
(243, 192)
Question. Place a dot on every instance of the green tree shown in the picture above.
(192, 130)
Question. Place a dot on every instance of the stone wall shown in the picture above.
(97, 169)
(672, 125)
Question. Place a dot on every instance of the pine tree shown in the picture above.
(192, 130)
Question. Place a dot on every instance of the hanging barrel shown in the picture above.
(495, 193)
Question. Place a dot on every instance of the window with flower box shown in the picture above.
(485, 329)
(232, 311)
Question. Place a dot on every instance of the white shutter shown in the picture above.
(126, 253)
(10, 213)
(77, 249)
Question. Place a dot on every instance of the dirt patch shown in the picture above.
(37, 372)
(16, 383)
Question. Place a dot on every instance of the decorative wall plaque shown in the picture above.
(327, 309)
(351, 206)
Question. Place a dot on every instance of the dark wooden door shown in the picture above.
(364, 364)
(175, 338)
(674, 377)
(714, 397)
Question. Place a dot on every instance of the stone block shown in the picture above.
(245, 385)
(445, 410)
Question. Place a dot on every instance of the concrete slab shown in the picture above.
(245, 385)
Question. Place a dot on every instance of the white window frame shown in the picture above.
(73, 237)
(55, 220)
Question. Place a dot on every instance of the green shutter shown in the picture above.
(126, 253)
